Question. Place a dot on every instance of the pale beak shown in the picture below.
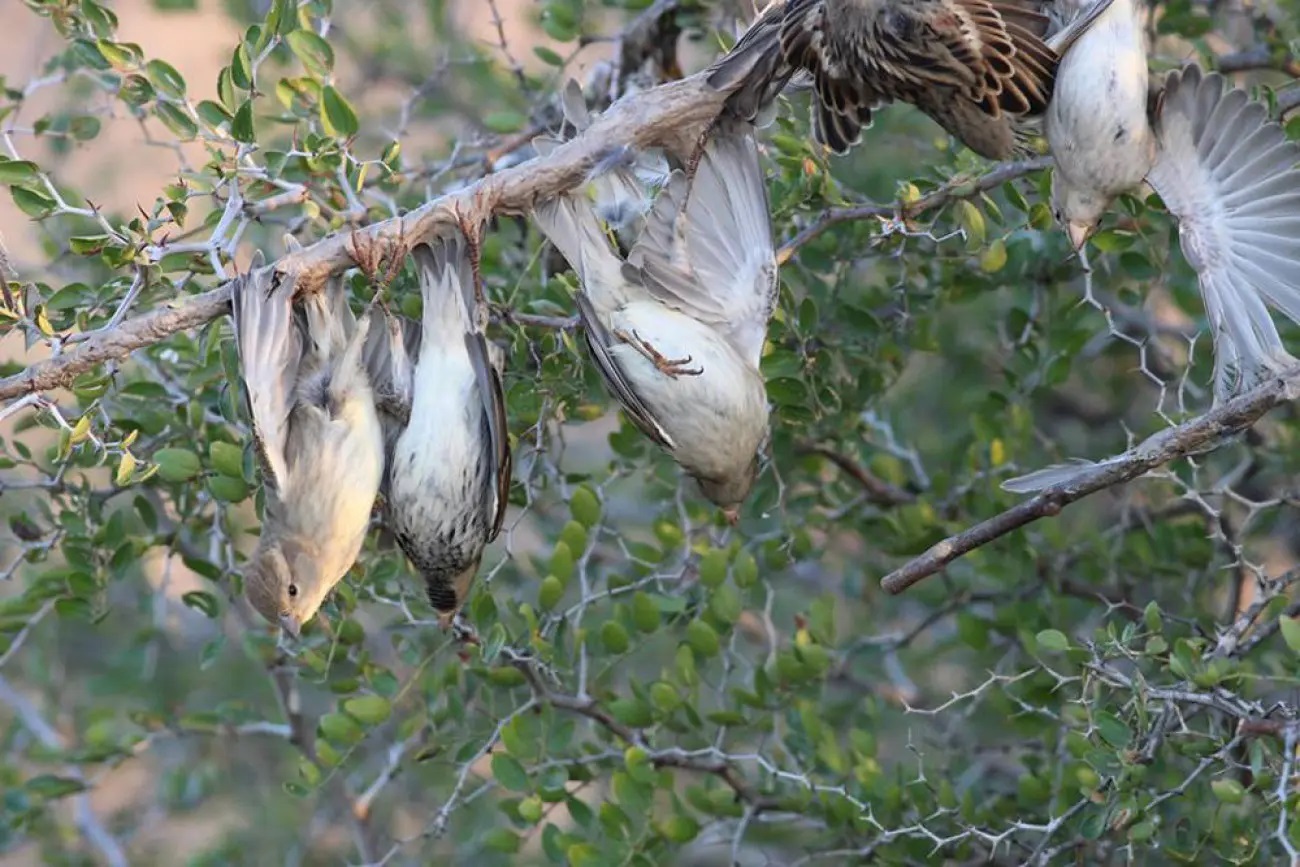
(732, 514)
(1079, 234)
(290, 625)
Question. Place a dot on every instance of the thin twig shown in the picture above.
(1167, 445)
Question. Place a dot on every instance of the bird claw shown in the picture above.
(672, 367)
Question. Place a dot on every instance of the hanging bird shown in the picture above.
(1231, 178)
(317, 436)
(974, 66)
(438, 384)
(1224, 170)
(677, 330)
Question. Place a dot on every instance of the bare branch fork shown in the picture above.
(1203, 432)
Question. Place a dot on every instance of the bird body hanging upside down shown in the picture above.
(677, 331)
(317, 435)
(449, 462)
(1223, 168)
(974, 66)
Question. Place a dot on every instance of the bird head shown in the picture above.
(729, 491)
(447, 596)
(287, 596)
(1078, 211)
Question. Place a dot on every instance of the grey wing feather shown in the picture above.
(1232, 178)
(569, 222)
(391, 347)
(1077, 22)
(707, 248)
(270, 354)
(599, 340)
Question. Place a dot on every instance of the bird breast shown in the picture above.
(439, 463)
(717, 419)
(1097, 122)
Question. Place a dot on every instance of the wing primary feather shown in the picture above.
(270, 348)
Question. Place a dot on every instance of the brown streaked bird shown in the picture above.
(677, 330)
(438, 384)
(975, 66)
(317, 435)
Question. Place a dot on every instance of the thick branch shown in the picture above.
(1196, 435)
(671, 117)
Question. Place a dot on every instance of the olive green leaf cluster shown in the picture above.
(1112, 685)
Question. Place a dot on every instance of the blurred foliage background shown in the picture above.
(1114, 685)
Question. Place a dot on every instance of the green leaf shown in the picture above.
(1290, 628)
(18, 171)
(32, 203)
(227, 459)
(614, 637)
(241, 127)
(315, 53)
(49, 787)
(227, 489)
(1227, 790)
(165, 77)
(703, 639)
(177, 465)
(202, 601)
(1053, 641)
(340, 728)
(585, 507)
(547, 56)
(337, 116)
(507, 771)
(369, 709)
(713, 567)
(550, 593)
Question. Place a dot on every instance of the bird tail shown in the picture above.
(570, 223)
(1085, 16)
(755, 71)
(1232, 178)
(337, 341)
(270, 351)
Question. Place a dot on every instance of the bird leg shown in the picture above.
(672, 367)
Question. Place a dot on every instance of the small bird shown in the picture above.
(1228, 174)
(317, 436)
(438, 384)
(677, 330)
(974, 66)
(1223, 168)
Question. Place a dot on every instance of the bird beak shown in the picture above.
(291, 625)
(732, 514)
(1079, 234)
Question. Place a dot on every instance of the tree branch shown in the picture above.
(671, 117)
(1167, 445)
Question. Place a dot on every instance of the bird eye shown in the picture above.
(293, 590)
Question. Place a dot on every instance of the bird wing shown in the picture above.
(707, 246)
(986, 50)
(391, 347)
(600, 341)
(450, 257)
(1230, 176)
(1072, 20)
(845, 97)
(270, 352)
(755, 70)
